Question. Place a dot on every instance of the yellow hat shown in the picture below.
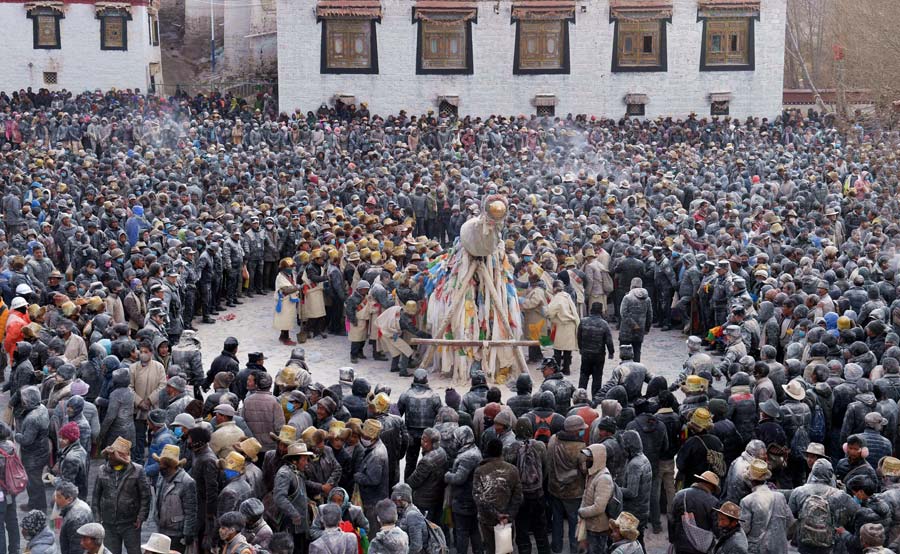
(375, 257)
(411, 307)
(390, 265)
(844, 323)
(317, 253)
(234, 462)
(890, 466)
(627, 525)
(287, 377)
(695, 383)
(249, 448)
(758, 470)
(171, 453)
(303, 257)
(69, 308)
(371, 429)
(287, 435)
(120, 446)
(381, 403)
(701, 419)
(388, 245)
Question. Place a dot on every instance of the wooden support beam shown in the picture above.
(464, 343)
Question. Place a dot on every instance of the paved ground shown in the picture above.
(663, 353)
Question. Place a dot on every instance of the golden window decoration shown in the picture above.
(639, 43)
(727, 41)
(444, 44)
(113, 33)
(47, 31)
(349, 43)
(541, 45)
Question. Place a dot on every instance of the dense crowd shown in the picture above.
(127, 218)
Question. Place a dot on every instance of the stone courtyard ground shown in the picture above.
(663, 353)
(251, 324)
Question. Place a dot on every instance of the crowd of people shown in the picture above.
(126, 218)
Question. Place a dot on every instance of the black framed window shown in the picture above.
(718, 107)
(45, 23)
(113, 29)
(349, 45)
(542, 47)
(635, 110)
(444, 44)
(639, 45)
(728, 44)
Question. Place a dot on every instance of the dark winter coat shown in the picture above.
(636, 316)
(462, 473)
(372, 474)
(637, 477)
(427, 481)
(419, 406)
(233, 493)
(697, 501)
(32, 438)
(691, 459)
(496, 490)
(74, 516)
(654, 437)
(74, 466)
(176, 505)
(595, 337)
(121, 497)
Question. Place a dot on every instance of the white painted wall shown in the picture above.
(589, 88)
(80, 64)
(250, 41)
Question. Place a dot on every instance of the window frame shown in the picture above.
(662, 64)
(106, 15)
(565, 65)
(469, 68)
(35, 16)
(325, 68)
(153, 23)
(749, 65)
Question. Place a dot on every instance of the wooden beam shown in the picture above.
(463, 343)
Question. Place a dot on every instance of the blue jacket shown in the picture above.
(160, 439)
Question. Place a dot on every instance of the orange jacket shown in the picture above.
(15, 322)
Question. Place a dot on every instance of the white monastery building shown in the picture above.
(551, 57)
(79, 45)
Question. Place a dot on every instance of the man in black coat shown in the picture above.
(594, 339)
(624, 272)
(226, 361)
(698, 499)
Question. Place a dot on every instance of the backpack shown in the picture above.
(614, 505)
(816, 526)
(437, 543)
(542, 429)
(14, 479)
(715, 460)
(817, 425)
(531, 474)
